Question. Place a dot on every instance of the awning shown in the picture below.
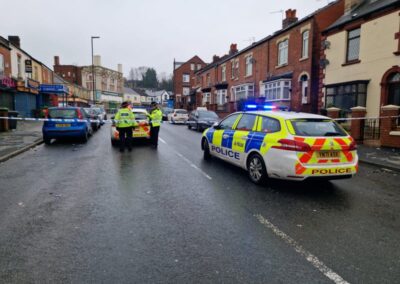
(288, 75)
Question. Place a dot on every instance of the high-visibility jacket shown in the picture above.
(125, 118)
(155, 117)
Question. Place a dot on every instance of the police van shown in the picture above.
(283, 145)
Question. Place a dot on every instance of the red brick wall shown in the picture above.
(75, 74)
(388, 125)
(47, 75)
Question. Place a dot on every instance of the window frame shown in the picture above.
(260, 127)
(249, 65)
(221, 97)
(223, 73)
(254, 127)
(305, 36)
(283, 49)
(185, 76)
(348, 44)
(277, 89)
(235, 115)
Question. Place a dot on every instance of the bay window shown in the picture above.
(221, 97)
(243, 91)
(278, 90)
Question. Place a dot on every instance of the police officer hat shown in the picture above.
(153, 104)
(124, 104)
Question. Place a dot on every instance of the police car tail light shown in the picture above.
(353, 146)
(292, 145)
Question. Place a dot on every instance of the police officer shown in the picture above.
(155, 122)
(125, 122)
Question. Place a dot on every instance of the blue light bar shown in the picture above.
(251, 106)
(269, 107)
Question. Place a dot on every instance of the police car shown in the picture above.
(283, 145)
(141, 131)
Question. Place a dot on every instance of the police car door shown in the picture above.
(242, 137)
(221, 142)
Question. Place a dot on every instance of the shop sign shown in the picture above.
(53, 89)
(7, 82)
(32, 84)
(28, 66)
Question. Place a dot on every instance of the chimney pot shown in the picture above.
(233, 49)
(14, 40)
(56, 60)
(290, 18)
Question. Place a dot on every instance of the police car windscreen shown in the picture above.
(317, 127)
(62, 113)
(140, 116)
(208, 114)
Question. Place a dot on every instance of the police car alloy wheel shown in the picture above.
(256, 169)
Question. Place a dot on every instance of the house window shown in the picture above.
(19, 67)
(1, 65)
(223, 72)
(206, 98)
(249, 65)
(198, 66)
(69, 74)
(242, 92)
(235, 68)
(185, 78)
(277, 90)
(353, 44)
(208, 79)
(192, 66)
(394, 89)
(304, 50)
(221, 97)
(185, 91)
(346, 95)
(283, 52)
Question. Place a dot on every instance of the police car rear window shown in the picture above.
(140, 115)
(317, 127)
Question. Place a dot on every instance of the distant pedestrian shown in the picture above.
(125, 122)
(155, 116)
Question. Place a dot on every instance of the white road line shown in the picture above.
(299, 249)
(193, 165)
(162, 140)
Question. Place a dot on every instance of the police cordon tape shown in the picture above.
(113, 120)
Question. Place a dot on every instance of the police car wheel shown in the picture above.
(256, 169)
(206, 150)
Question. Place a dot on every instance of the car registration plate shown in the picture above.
(63, 125)
(328, 154)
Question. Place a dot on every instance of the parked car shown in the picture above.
(178, 116)
(73, 124)
(142, 131)
(101, 114)
(94, 117)
(202, 119)
(165, 112)
(101, 110)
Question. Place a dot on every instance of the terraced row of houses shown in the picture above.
(344, 55)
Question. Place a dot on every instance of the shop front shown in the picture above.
(53, 95)
(7, 92)
(26, 97)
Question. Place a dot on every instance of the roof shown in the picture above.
(367, 7)
(130, 91)
(155, 93)
(182, 63)
(141, 92)
(267, 38)
(288, 114)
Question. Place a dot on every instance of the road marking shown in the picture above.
(299, 249)
(188, 161)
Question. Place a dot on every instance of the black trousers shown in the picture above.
(125, 137)
(154, 135)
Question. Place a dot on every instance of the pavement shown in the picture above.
(29, 134)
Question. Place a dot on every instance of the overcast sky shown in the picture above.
(141, 32)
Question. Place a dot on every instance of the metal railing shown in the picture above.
(371, 129)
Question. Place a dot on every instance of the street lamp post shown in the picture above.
(93, 76)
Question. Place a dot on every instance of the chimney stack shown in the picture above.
(56, 60)
(120, 68)
(215, 58)
(290, 18)
(14, 40)
(233, 49)
(97, 60)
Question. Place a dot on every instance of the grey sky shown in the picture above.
(141, 32)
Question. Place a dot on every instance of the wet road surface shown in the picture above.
(87, 213)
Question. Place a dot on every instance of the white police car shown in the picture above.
(283, 145)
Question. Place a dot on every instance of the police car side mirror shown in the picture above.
(216, 125)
